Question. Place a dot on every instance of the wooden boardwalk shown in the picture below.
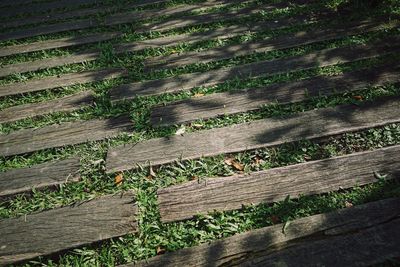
(107, 110)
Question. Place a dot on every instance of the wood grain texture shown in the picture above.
(63, 104)
(48, 63)
(81, 12)
(39, 176)
(186, 200)
(362, 234)
(253, 98)
(322, 58)
(52, 82)
(69, 133)
(57, 43)
(263, 133)
(55, 230)
(192, 20)
(40, 7)
(115, 19)
(280, 42)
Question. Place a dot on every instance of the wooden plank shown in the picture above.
(40, 7)
(51, 82)
(357, 236)
(252, 99)
(48, 63)
(219, 33)
(184, 201)
(281, 42)
(269, 132)
(69, 133)
(115, 19)
(52, 231)
(64, 104)
(57, 43)
(39, 18)
(322, 58)
(192, 20)
(39, 176)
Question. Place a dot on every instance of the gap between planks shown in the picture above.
(321, 58)
(186, 200)
(238, 101)
(17, 181)
(314, 124)
(361, 235)
(55, 230)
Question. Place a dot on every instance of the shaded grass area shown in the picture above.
(153, 234)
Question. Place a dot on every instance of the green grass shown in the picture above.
(203, 228)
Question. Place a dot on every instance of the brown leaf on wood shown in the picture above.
(119, 179)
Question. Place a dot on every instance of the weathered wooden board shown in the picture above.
(263, 133)
(191, 20)
(55, 230)
(60, 81)
(39, 18)
(57, 43)
(325, 57)
(281, 42)
(67, 103)
(69, 133)
(58, 6)
(219, 33)
(48, 63)
(39, 176)
(115, 19)
(184, 201)
(251, 99)
(356, 236)
(41, 7)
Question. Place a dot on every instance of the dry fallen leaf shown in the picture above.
(358, 97)
(198, 95)
(160, 250)
(119, 179)
(306, 157)
(275, 219)
(232, 162)
(152, 173)
(197, 125)
(348, 204)
(180, 131)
